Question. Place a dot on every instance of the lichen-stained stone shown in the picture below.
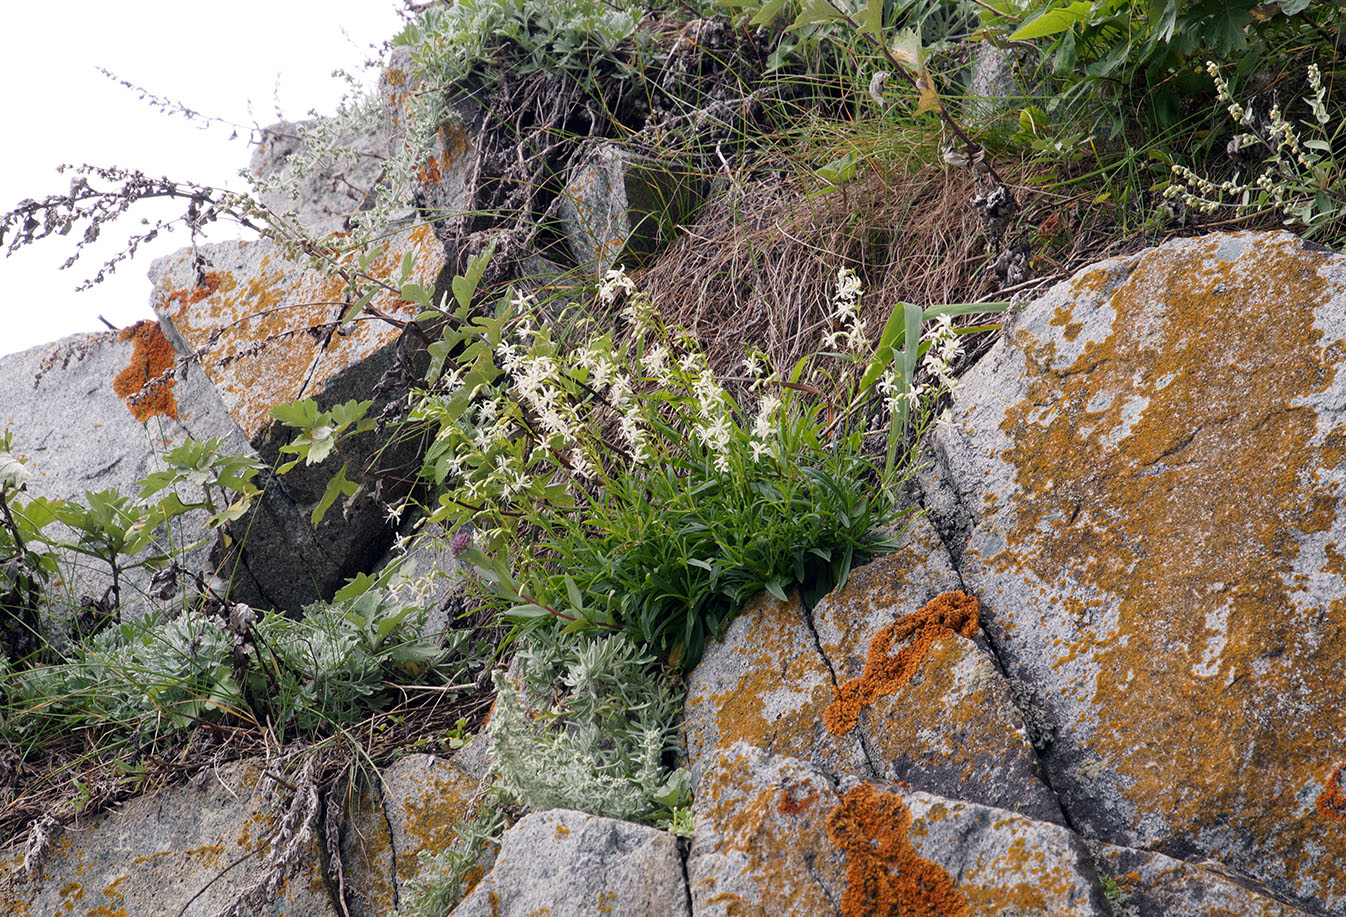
(774, 836)
(1151, 461)
(953, 728)
(1147, 884)
(1005, 864)
(616, 203)
(760, 846)
(190, 849)
(766, 683)
(264, 330)
(447, 178)
(93, 412)
(424, 798)
(566, 862)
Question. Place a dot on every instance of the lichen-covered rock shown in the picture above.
(189, 849)
(566, 862)
(266, 331)
(93, 412)
(950, 727)
(765, 682)
(761, 845)
(618, 203)
(424, 797)
(1150, 463)
(1146, 884)
(775, 837)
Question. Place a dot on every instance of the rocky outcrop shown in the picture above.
(1149, 467)
(266, 331)
(94, 412)
(566, 862)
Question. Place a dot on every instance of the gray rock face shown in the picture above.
(616, 204)
(950, 727)
(190, 849)
(1147, 884)
(775, 836)
(328, 191)
(565, 862)
(1148, 470)
(81, 412)
(266, 331)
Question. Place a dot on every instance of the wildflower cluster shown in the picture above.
(621, 486)
(1297, 172)
(850, 330)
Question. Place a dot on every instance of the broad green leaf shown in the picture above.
(297, 413)
(816, 12)
(840, 170)
(337, 487)
(768, 12)
(1053, 21)
(871, 22)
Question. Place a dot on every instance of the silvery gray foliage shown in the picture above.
(587, 724)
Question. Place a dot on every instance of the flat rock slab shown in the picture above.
(265, 329)
(424, 798)
(774, 836)
(1150, 462)
(566, 862)
(189, 849)
(766, 682)
(1146, 884)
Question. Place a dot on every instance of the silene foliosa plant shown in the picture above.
(619, 485)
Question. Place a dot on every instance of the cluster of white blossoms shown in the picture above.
(1289, 171)
(943, 347)
(850, 333)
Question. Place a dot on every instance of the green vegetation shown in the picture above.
(626, 460)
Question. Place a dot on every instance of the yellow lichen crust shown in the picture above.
(946, 614)
(1331, 802)
(268, 336)
(1175, 497)
(884, 875)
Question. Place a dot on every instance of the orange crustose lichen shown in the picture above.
(947, 613)
(884, 875)
(790, 804)
(139, 383)
(1331, 802)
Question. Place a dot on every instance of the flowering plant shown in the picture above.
(1295, 168)
(624, 486)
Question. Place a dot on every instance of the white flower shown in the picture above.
(614, 282)
(766, 410)
(656, 361)
(759, 449)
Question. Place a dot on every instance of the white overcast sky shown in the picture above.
(238, 61)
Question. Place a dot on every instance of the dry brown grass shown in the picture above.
(758, 266)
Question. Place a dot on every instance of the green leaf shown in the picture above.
(872, 21)
(466, 284)
(768, 12)
(355, 308)
(1053, 21)
(816, 12)
(297, 413)
(337, 487)
(840, 170)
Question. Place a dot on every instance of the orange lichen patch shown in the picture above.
(884, 875)
(562, 831)
(1186, 516)
(142, 383)
(1331, 802)
(946, 614)
(267, 336)
(796, 797)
